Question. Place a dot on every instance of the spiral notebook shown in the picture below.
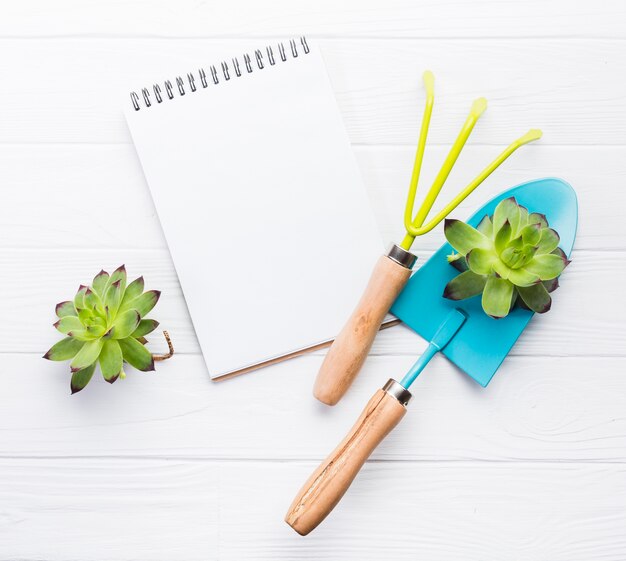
(259, 196)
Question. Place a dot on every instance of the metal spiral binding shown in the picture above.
(260, 60)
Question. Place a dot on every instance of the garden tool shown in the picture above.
(349, 350)
(460, 330)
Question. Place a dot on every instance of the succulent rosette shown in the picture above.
(511, 258)
(105, 324)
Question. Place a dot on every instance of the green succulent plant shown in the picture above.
(105, 323)
(511, 257)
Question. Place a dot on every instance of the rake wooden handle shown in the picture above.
(349, 350)
(328, 483)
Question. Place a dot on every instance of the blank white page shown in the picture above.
(260, 199)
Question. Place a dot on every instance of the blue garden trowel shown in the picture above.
(461, 330)
(482, 344)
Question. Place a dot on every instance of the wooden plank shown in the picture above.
(61, 200)
(163, 510)
(536, 408)
(580, 323)
(594, 173)
(557, 85)
(351, 18)
(108, 510)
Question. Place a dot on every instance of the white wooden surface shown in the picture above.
(171, 466)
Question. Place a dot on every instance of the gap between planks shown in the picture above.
(314, 36)
(303, 461)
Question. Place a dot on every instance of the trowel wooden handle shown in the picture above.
(328, 483)
(349, 350)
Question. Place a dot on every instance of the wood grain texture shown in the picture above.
(325, 487)
(536, 408)
(343, 361)
(349, 18)
(48, 200)
(572, 90)
(153, 510)
(588, 326)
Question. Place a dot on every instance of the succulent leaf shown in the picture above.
(536, 297)
(91, 300)
(537, 218)
(517, 243)
(133, 290)
(551, 285)
(546, 267)
(497, 297)
(513, 259)
(111, 360)
(503, 237)
(145, 326)
(516, 258)
(531, 234)
(515, 299)
(144, 303)
(95, 330)
(82, 335)
(507, 210)
(125, 324)
(100, 282)
(79, 299)
(113, 298)
(68, 323)
(81, 378)
(549, 241)
(136, 354)
(481, 260)
(522, 277)
(501, 269)
(463, 237)
(119, 275)
(528, 253)
(460, 264)
(87, 355)
(65, 309)
(510, 256)
(85, 316)
(485, 226)
(65, 349)
(523, 216)
(465, 285)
